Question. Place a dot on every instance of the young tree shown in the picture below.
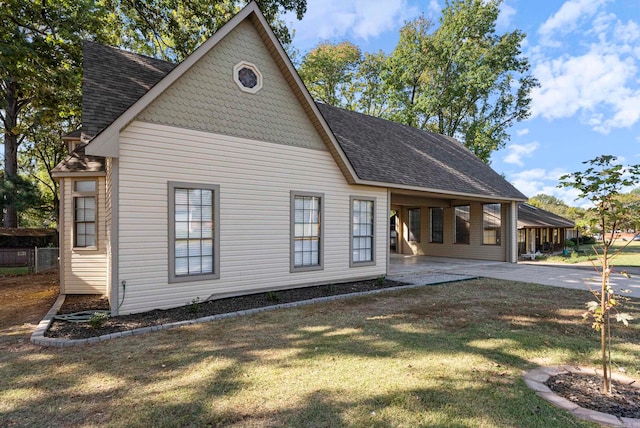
(601, 184)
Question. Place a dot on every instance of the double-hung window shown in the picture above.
(436, 229)
(491, 223)
(193, 232)
(84, 218)
(463, 224)
(362, 231)
(306, 231)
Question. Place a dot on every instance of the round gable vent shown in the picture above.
(247, 77)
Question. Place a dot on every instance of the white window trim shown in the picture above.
(371, 262)
(171, 186)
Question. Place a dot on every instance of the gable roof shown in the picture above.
(382, 151)
(118, 85)
(530, 216)
(113, 80)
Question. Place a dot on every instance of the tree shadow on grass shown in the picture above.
(200, 375)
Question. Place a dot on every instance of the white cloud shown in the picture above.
(506, 13)
(355, 20)
(515, 152)
(522, 132)
(536, 181)
(598, 86)
(434, 8)
(567, 18)
(628, 32)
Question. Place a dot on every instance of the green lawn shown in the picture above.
(448, 356)
(629, 255)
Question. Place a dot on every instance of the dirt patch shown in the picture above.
(24, 300)
(78, 303)
(584, 390)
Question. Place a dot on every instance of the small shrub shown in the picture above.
(272, 296)
(98, 319)
(380, 280)
(194, 306)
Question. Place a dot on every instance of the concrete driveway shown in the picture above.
(431, 270)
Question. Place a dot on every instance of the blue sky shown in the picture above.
(585, 53)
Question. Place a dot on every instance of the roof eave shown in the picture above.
(443, 192)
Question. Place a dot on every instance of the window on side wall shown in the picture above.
(362, 231)
(462, 224)
(193, 232)
(307, 229)
(436, 229)
(414, 224)
(84, 214)
(492, 224)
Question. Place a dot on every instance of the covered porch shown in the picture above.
(451, 227)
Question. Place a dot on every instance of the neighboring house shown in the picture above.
(220, 176)
(540, 230)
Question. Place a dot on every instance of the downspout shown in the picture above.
(388, 232)
(62, 242)
(114, 299)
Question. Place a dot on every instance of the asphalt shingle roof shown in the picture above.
(529, 216)
(113, 79)
(389, 152)
(379, 150)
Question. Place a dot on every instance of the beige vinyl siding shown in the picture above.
(255, 180)
(85, 270)
(474, 250)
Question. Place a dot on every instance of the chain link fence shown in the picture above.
(36, 259)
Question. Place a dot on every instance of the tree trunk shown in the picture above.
(604, 302)
(10, 214)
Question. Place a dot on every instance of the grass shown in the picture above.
(448, 356)
(21, 270)
(629, 255)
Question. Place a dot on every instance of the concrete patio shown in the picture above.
(431, 270)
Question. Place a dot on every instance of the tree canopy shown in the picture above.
(40, 57)
(329, 71)
(172, 29)
(459, 78)
(40, 67)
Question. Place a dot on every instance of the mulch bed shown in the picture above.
(584, 390)
(79, 303)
